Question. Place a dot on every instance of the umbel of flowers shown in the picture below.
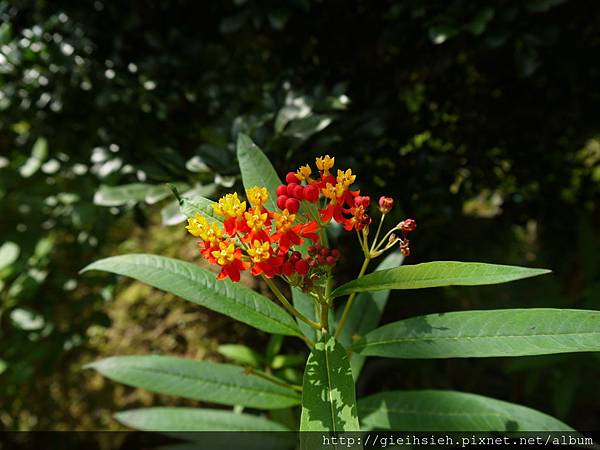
(274, 243)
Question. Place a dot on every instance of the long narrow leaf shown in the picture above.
(257, 170)
(197, 380)
(200, 286)
(446, 411)
(193, 419)
(505, 332)
(435, 274)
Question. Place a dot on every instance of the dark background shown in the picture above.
(481, 119)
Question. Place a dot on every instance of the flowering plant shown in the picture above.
(279, 233)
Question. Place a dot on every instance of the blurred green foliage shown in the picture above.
(481, 119)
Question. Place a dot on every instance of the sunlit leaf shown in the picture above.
(470, 334)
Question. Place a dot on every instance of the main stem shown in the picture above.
(363, 269)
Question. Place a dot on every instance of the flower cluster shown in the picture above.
(341, 204)
(245, 235)
(251, 237)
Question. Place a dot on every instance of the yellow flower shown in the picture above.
(226, 253)
(200, 227)
(255, 219)
(324, 163)
(196, 225)
(257, 195)
(333, 192)
(303, 172)
(260, 252)
(284, 220)
(230, 206)
(345, 178)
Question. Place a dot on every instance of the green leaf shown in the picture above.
(241, 354)
(199, 205)
(200, 286)
(194, 419)
(9, 253)
(469, 334)
(365, 313)
(257, 170)
(39, 153)
(435, 274)
(197, 380)
(431, 410)
(306, 305)
(132, 193)
(282, 361)
(328, 397)
(172, 213)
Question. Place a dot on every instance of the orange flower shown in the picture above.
(230, 259)
(288, 234)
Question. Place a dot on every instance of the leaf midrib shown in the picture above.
(440, 338)
(206, 381)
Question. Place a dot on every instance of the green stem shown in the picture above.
(288, 306)
(363, 269)
(324, 318)
(377, 232)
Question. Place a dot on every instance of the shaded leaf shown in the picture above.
(194, 419)
(257, 170)
(431, 410)
(197, 380)
(365, 313)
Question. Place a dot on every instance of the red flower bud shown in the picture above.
(301, 267)
(299, 192)
(362, 200)
(312, 250)
(311, 193)
(330, 260)
(281, 189)
(288, 268)
(290, 189)
(407, 225)
(292, 205)
(281, 201)
(295, 256)
(385, 204)
(324, 251)
(335, 253)
(291, 178)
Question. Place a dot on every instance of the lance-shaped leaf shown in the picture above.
(431, 410)
(257, 170)
(365, 313)
(328, 397)
(435, 274)
(194, 419)
(199, 205)
(504, 332)
(200, 286)
(197, 380)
